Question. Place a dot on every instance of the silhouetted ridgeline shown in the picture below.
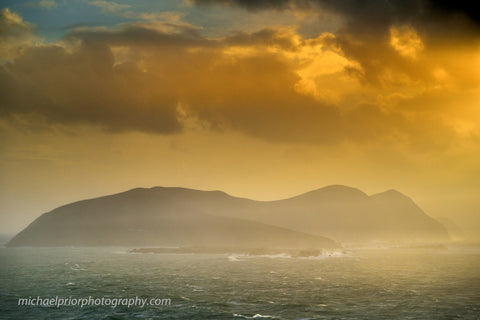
(184, 217)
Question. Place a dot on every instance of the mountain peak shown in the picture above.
(341, 188)
(172, 216)
(335, 191)
(171, 191)
(391, 194)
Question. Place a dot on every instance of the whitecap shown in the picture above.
(328, 254)
(122, 252)
(77, 267)
(256, 316)
(259, 316)
(276, 256)
(195, 288)
(233, 258)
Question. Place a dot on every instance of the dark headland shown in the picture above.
(179, 217)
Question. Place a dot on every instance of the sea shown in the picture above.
(365, 283)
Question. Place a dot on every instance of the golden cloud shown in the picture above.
(406, 41)
(272, 84)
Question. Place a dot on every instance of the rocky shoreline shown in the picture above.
(295, 253)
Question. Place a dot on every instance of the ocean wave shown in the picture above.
(323, 255)
(256, 316)
(233, 258)
(329, 254)
(77, 267)
(275, 256)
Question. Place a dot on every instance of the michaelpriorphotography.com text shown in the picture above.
(81, 302)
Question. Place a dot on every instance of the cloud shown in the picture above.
(47, 4)
(110, 6)
(406, 41)
(368, 23)
(272, 84)
(167, 21)
(84, 87)
(250, 4)
(386, 12)
(14, 33)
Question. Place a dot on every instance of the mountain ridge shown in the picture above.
(339, 212)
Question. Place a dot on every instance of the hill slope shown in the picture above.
(156, 217)
(181, 217)
(349, 215)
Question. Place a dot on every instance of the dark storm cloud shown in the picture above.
(254, 94)
(364, 36)
(144, 78)
(265, 37)
(138, 35)
(84, 87)
(464, 7)
(368, 12)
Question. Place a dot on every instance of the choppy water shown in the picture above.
(375, 284)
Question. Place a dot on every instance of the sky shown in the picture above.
(260, 99)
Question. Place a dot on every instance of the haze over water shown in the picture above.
(357, 284)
